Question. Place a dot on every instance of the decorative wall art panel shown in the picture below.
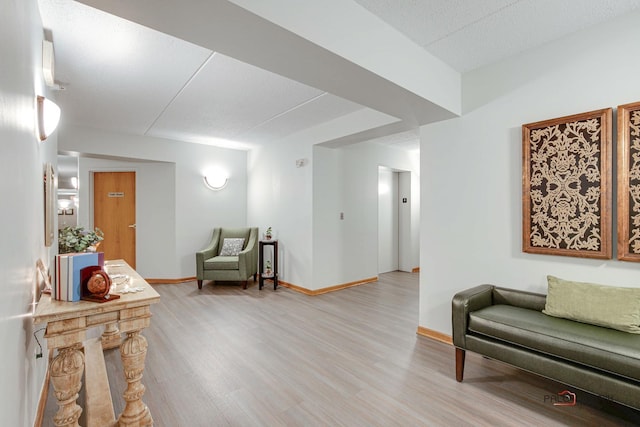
(629, 182)
(566, 185)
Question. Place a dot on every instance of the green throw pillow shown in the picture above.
(608, 306)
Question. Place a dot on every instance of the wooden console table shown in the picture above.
(67, 324)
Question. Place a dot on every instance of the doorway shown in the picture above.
(394, 220)
(387, 220)
(114, 212)
(67, 191)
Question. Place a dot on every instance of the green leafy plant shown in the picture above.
(76, 239)
(267, 234)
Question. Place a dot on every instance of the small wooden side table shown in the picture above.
(274, 275)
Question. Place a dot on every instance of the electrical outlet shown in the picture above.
(341, 215)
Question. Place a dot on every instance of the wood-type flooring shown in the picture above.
(224, 356)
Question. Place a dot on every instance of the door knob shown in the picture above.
(132, 226)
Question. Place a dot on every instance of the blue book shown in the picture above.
(76, 263)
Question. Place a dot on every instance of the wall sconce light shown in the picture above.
(64, 203)
(216, 179)
(48, 117)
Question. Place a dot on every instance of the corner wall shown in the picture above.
(280, 197)
(346, 180)
(22, 158)
(155, 211)
(302, 204)
(281, 194)
(191, 212)
(471, 166)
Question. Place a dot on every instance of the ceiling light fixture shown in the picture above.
(48, 117)
(216, 179)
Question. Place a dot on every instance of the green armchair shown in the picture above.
(211, 264)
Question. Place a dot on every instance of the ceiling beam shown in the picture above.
(225, 27)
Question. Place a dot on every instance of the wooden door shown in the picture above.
(114, 212)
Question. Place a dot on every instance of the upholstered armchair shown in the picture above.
(227, 257)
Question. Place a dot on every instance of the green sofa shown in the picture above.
(210, 265)
(508, 325)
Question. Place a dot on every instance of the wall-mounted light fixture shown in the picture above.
(48, 117)
(64, 203)
(216, 179)
(48, 63)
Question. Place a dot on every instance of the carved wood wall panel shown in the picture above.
(566, 180)
(629, 182)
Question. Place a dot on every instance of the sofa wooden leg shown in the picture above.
(459, 364)
(244, 284)
(199, 284)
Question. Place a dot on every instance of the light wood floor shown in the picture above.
(223, 356)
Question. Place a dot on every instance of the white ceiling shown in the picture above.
(119, 75)
(468, 34)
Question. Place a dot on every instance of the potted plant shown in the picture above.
(76, 239)
(267, 270)
(267, 234)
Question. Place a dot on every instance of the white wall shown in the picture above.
(68, 220)
(280, 197)
(303, 204)
(346, 180)
(471, 166)
(408, 241)
(21, 191)
(155, 211)
(283, 195)
(196, 210)
(328, 203)
(388, 220)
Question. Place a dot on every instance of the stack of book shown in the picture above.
(68, 284)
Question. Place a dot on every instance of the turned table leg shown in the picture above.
(111, 336)
(67, 369)
(133, 352)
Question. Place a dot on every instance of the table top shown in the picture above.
(49, 309)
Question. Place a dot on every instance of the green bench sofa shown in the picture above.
(508, 325)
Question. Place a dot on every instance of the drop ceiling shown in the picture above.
(468, 34)
(119, 75)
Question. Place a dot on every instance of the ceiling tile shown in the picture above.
(115, 72)
(427, 21)
(524, 25)
(228, 98)
(407, 140)
(316, 111)
(468, 34)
